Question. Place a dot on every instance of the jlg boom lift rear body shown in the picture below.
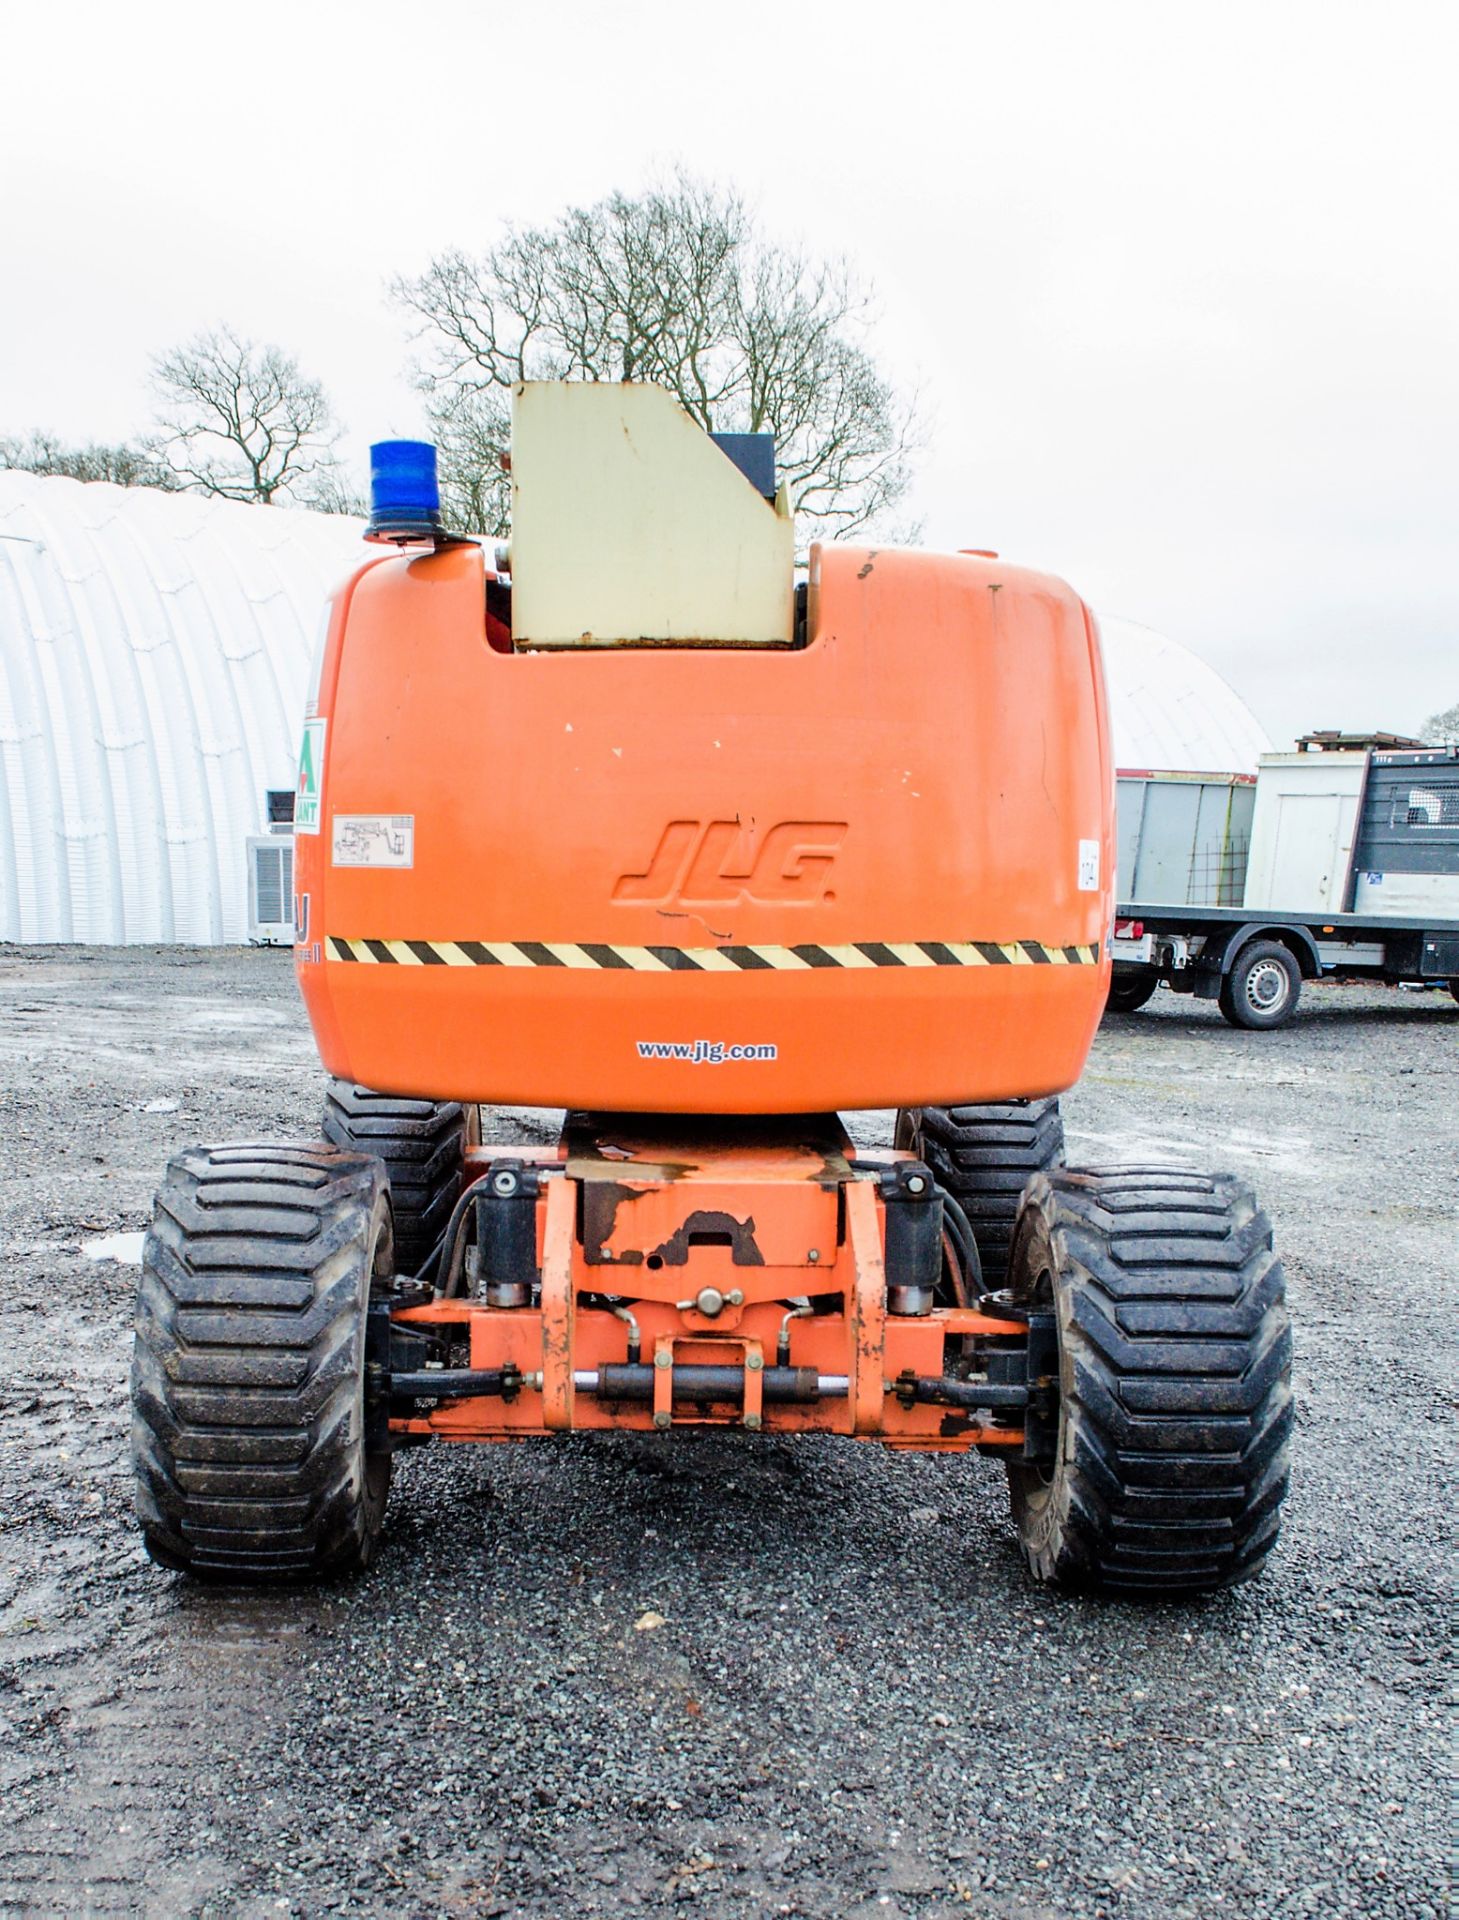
(641, 831)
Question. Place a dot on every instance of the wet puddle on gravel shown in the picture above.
(221, 1016)
(124, 1248)
(1139, 1146)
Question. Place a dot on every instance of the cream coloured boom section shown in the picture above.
(631, 527)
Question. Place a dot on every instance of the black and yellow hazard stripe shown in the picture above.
(591, 955)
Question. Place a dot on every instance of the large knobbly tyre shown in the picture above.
(421, 1143)
(1174, 1377)
(248, 1364)
(985, 1156)
(1263, 987)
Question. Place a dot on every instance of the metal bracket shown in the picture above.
(868, 1304)
(1041, 1416)
(752, 1373)
(558, 1305)
(664, 1382)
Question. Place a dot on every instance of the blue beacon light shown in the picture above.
(405, 499)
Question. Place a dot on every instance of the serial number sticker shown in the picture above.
(374, 840)
(1089, 866)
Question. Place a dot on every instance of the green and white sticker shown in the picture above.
(311, 778)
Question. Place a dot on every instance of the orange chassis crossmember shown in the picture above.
(718, 1277)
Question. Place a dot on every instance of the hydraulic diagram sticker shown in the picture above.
(1089, 866)
(374, 840)
(311, 777)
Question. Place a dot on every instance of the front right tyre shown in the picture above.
(1174, 1381)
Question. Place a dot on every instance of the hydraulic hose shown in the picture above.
(449, 1258)
(959, 1226)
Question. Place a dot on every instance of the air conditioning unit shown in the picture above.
(271, 890)
(279, 807)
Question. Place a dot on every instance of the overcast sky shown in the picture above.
(1179, 284)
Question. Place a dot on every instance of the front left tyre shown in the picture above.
(248, 1363)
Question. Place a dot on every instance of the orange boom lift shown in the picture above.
(632, 825)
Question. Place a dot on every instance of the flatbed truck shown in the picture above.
(1371, 837)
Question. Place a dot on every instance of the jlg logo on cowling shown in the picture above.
(720, 863)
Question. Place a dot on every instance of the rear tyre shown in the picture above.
(985, 1156)
(1130, 988)
(1174, 1378)
(1263, 986)
(422, 1144)
(248, 1412)
(1454, 988)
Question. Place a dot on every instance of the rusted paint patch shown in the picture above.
(601, 1200)
(626, 1166)
(676, 1250)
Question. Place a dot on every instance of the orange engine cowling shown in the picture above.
(875, 870)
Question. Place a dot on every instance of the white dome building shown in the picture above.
(154, 650)
(1170, 712)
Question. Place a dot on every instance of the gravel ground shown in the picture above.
(857, 1704)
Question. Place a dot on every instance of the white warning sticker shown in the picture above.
(374, 840)
(1089, 866)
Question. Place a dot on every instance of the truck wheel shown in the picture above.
(1263, 986)
(1175, 1399)
(248, 1363)
(1130, 988)
(985, 1156)
(422, 1144)
(1454, 988)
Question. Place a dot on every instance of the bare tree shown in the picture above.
(241, 421)
(472, 429)
(675, 287)
(1441, 729)
(331, 489)
(123, 465)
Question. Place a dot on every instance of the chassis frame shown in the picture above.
(650, 1274)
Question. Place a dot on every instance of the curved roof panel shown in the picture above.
(1169, 711)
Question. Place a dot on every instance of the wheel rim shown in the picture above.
(1267, 987)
